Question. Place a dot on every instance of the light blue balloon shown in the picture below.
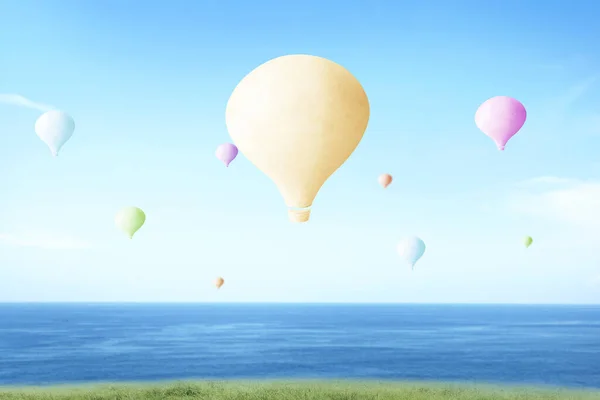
(411, 249)
(55, 128)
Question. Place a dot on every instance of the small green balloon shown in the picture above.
(130, 220)
(527, 241)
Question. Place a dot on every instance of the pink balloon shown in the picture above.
(226, 153)
(500, 118)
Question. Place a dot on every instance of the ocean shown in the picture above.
(516, 344)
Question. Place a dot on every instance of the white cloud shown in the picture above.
(46, 242)
(18, 100)
(569, 201)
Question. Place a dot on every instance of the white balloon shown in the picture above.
(411, 250)
(55, 128)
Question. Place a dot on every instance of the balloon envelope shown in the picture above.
(226, 152)
(411, 250)
(385, 180)
(130, 220)
(527, 241)
(219, 282)
(500, 118)
(298, 118)
(54, 128)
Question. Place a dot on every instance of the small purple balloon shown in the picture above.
(226, 153)
(500, 118)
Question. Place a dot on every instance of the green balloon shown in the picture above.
(130, 220)
(527, 241)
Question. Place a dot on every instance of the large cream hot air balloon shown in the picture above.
(298, 118)
(219, 282)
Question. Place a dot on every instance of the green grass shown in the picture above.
(299, 390)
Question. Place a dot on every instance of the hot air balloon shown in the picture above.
(298, 118)
(411, 250)
(527, 241)
(54, 128)
(500, 118)
(385, 180)
(130, 220)
(219, 282)
(226, 153)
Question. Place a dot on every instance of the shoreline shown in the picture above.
(292, 389)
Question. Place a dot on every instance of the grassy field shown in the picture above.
(334, 390)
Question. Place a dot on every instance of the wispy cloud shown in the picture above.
(560, 114)
(46, 242)
(569, 201)
(580, 123)
(577, 91)
(21, 101)
(558, 106)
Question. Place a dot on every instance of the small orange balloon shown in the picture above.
(219, 282)
(385, 180)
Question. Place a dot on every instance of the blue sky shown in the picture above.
(147, 84)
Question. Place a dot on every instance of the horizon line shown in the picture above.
(82, 302)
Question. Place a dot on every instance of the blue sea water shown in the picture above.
(56, 343)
